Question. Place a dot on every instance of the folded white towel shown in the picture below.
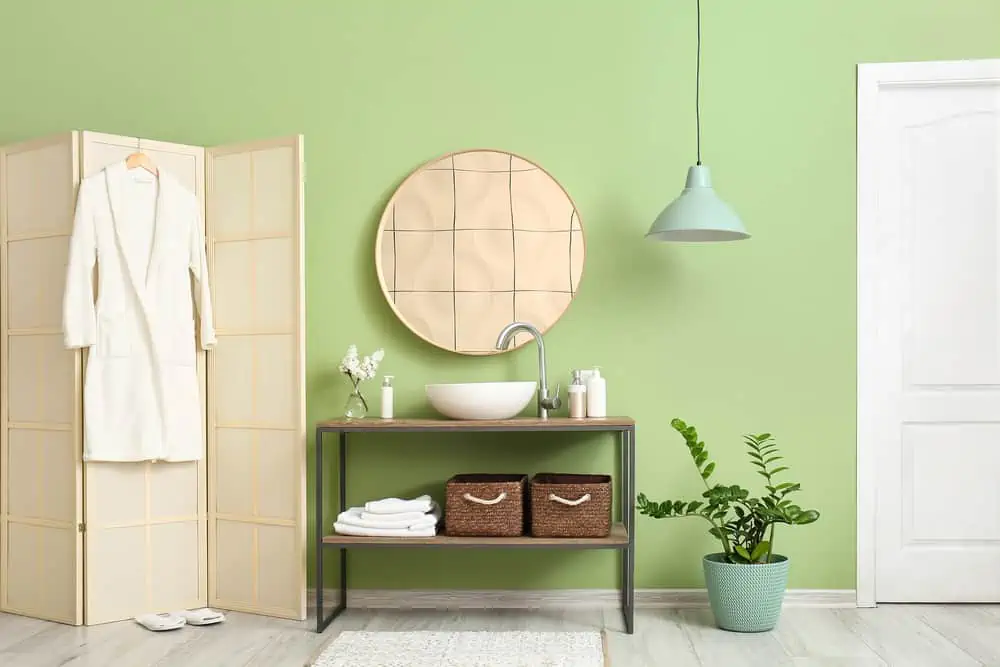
(397, 516)
(356, 517)
(421, 504)
(348, 529)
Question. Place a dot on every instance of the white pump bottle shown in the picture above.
(597, 395)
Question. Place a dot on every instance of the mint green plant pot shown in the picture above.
(746, 598)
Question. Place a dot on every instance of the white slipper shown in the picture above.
(203, 616)
(161, 622)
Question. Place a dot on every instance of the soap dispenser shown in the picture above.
(597, 395)
(387, 397)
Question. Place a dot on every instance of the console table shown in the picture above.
(622, 535)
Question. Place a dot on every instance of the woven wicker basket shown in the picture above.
(483, 505)
(570, 505)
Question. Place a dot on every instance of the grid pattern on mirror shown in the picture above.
(475, 241)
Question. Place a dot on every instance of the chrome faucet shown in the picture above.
(545, 403)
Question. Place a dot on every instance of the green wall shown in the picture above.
(741, 337)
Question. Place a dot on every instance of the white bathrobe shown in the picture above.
(141, 400)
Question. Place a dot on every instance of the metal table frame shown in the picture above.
(626, 505)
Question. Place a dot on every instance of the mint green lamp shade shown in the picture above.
(697, 215)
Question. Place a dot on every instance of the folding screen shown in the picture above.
(256, 436)
(97, 542)
(40, 468)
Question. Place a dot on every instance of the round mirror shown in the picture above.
(475, 240)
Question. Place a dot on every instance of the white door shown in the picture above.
(929, 329)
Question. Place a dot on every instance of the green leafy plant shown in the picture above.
(744, 525)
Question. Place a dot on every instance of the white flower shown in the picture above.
(360, 369)
(350, 360)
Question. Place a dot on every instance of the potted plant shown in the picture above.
(746, 582)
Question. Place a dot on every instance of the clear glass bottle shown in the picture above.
(577, 397)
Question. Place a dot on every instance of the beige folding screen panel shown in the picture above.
(256, 434)
(97, 542)
(40, 468)
(145, 539)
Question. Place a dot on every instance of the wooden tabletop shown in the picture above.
(517, 424)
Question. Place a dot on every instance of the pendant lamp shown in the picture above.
(698, 214)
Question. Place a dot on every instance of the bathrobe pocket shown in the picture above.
(182, 347)
(114, 336)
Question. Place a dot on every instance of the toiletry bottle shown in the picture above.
(577, 397)
(387, 397)
(597, 395)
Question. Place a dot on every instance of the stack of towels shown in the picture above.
(391, 517)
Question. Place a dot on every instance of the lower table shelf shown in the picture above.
(618, 539)
(621, 538)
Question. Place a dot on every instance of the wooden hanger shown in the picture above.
(141, 160)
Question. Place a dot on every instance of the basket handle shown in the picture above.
(572, 503)
(471, 498)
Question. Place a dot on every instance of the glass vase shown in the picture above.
(356, 406)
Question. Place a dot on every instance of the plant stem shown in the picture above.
(725, 540)
(770, 545)
(720, 527)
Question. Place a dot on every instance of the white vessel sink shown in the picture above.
(481, 400)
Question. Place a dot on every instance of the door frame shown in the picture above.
(872, 78)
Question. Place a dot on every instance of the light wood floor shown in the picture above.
(907, 636)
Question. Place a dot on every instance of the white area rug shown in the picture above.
(463, 649)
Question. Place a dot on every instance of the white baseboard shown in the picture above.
(698, 597)
(679, 598)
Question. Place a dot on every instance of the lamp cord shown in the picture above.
(697, 85)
